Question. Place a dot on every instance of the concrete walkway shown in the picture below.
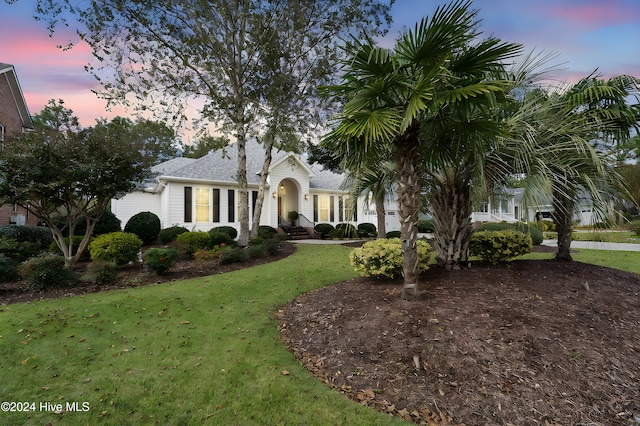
(596, 245)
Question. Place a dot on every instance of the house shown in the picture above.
(202, 193)
(510, 207)
(14, 120)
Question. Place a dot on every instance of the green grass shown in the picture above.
(623, 260)
(202, 351)
(606, 236)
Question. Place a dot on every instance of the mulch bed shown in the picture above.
(534, 343)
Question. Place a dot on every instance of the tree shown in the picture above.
(568, 163)
(61, 170)
(391, 93)
(205, 146)
(165, 52)
(375, 180)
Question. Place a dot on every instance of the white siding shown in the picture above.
(134, 203)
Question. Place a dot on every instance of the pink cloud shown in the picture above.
(595, 15)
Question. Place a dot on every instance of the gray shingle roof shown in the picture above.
(222, 166)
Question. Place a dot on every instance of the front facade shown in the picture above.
(202, 193)
(14, 121)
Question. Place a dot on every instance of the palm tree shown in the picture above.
(391, 93)
(570, 128)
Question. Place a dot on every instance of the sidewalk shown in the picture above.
(595, 245)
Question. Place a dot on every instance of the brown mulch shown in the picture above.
(535, 343)
(135, 275)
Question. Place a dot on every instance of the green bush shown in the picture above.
(383, 257)
(426, 226)
(194, 240)
(265, 232)
(145, 225)
(45, 271)
(117, 247)
(393, 234)
(229, 230)
(8, 268)
(255, 241)
(108, 223)
(367, 230)
(100, 272)
(257, 251)
(234, 255)
(160, 260)
(17, 251)
(217, 238)
(635, 227)
(53, 248)
(499, 246)
(324, 229)
(169, 235)
(25, 233)
(536, 235)
(344, 230)
(272, 246)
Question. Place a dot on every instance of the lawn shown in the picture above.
(202, 351)
(606, 236)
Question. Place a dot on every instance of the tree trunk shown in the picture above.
(243, 194)
(407, 156)
(451, 204)
(381, 213)
(562, 218)
(264, 173)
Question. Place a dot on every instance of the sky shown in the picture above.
(584, 34)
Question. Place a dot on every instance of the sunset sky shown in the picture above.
(586, 34)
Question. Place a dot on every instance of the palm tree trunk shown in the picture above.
(407, 156)
(451, 204)
(381, 213)
(562, 218)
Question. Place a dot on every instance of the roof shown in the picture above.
(10, 73)
(222, 166)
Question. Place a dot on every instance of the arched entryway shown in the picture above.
(288, 198)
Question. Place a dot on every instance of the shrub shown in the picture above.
(265, 232)
(426, 226)
(204, 254)
(217, 238)
(324, 229)
(168, 235)
(499, 246)
(234, 255)
(76, 242)
(145, 225)
(255, 241)
(292, 216)
(344, 230)
(194, 241)
(45, 271)
(17, 251)
(536, 235)
(160, 260)
(8, 268)
(24, 233)
(393, 234)
(383, 257)
(108, 223)
(229, 230)
(635, 227)
(257, 251)
(367, 230)
(118, 247)
(100, 272)
(272, 246)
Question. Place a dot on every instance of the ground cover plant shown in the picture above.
(207, 350)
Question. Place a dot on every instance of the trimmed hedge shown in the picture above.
(217, 238)
(25, 233)
(367, 230)
(169, 235)
(344, 230)
(194, 240)
(229, 230)
(145, 225)
(499, 246)
(394, 234)
(324, 229)
(160, 260)
(536, 235)
(45, 271)
(383, 257)
(117, 247)
(108, 223)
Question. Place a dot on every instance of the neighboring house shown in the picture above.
(202, 193)
(509, 207)
(14, 120)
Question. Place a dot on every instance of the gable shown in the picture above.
(14, 114)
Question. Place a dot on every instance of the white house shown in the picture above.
(202, 193)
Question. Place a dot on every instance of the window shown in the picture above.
(216, 206)
(202, 205)
(340, 209)
(315, 208)
(231, 205)
(254, 199)
(323, 208)
(188, 204)
(198, 203)
(332, 209)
